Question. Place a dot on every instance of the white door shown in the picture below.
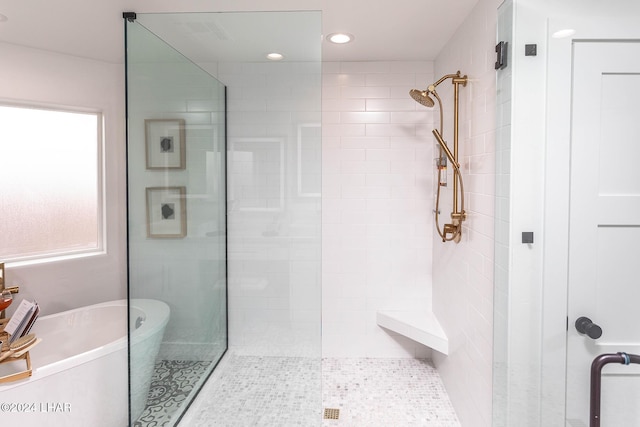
(604, 245)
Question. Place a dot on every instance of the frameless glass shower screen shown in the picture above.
(274, 209)
(176, 148)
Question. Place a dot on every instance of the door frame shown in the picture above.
(557, 188)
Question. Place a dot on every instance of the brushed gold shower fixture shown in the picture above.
(452, 231)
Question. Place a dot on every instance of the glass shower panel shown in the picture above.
(176, 155)
(274, 210)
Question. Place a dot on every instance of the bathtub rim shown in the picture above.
(146, 330)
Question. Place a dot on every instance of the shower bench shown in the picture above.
(420, 326)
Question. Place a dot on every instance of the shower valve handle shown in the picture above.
(584, 325)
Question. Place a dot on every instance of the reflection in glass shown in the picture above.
(256, 174)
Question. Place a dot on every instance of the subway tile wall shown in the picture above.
(463, 273)
(377, 198)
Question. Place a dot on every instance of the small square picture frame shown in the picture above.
(166, 212)
(165, 146)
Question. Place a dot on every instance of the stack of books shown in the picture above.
(22, 320)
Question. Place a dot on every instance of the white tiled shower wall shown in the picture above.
(378, 232)
(377, 178)
(463, 273)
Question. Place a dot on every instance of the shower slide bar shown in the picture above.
(596, 377)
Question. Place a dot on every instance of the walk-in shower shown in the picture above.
(452, 231)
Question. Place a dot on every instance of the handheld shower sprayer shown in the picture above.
(445, 148)
(452, 231)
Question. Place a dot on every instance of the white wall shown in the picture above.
(376, 204)
(463, 273)
(47, 78)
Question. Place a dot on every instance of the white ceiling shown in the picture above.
(232, 36)
(384, 30)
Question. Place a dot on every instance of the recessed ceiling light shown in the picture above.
(3, 18)
(567, 32)
(340, 38)
(275, 56)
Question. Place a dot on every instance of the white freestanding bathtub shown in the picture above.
(80, 367)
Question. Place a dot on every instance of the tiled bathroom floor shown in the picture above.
(259, 391)
(385, 393)
(171, 383)
(285, 391)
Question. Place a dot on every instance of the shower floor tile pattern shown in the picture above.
(259, 391)
(385, 393)
(171, 383)
(253, 391)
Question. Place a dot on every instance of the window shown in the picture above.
(50, 182)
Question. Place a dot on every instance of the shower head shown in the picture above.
(422, 97)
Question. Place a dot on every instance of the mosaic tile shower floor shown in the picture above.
(385, 393)
(250, 391)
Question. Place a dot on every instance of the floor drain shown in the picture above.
(331, 413)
